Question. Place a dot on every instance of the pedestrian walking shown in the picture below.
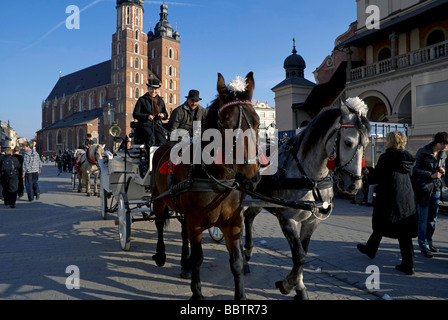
(427, 182)
(10, 178)
(31, 170)
(394, 214)
(59, 162)
(19, 157)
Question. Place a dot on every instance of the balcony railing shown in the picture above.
(413, 58)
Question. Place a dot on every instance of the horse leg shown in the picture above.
(232, 235)
(306, 232)
(160, 212)
(249, 216)
(290, 230)
(185, 259)
(196, 259)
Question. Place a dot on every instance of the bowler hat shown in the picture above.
(153, 83)
(193, 95)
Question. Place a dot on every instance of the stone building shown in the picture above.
(90, 100)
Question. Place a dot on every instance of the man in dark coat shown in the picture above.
(427, 182)
(394, 213)
(183, 116)
(19, 157)
(10, 178)
(149, 111)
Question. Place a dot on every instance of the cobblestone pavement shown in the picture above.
(39, 240)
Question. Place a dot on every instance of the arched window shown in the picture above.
(171, 99)
(137, 93)
(137, 78)
(137, 20)
(59, 137)
(118, 48)
(136, 63)
(171, 84)
(101, 101)
(136, 48)
(136, 34)
(154, 53)
(49, 142)
(128, 15)
(70, 140)
(170, 71)
(170, 53)
(91, 101)
(435, 37)
(384, 54)
(80, 105)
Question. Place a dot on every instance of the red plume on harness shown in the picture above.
(166, 168)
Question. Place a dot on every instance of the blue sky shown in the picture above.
(232, 37)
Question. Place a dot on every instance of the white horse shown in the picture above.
(86, 163)
(335, 139)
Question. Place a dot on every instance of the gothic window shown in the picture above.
(170, 71)
(136, 48)
(137, 18)
(137, 78)
(136, 63)
(101, 99)
(49, 142)
(128, 15)
(170, 53)
(171, 84)
(59, 137)
(137, 93)
(91, 101)
(80, 104)
(153, 54)
(136, 35)
(171, 99)
(118, 48)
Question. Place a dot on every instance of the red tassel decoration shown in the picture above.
(331, 163)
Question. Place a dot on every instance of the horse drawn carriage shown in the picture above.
(299, 191)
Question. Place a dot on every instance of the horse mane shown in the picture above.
(317, 128)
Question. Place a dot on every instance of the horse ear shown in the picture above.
(344, 110)
(222, 88)
(250, 83)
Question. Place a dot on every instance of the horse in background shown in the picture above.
(86, 164)
(335, 140)
(211, 197)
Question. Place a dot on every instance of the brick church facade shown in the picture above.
(89, 101)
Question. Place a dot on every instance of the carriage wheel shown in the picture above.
(216, 234)
(124, 222)
(104, 208)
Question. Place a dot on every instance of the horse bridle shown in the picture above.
(336, 151)
(242, 114)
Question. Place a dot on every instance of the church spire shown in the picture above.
(294, 51)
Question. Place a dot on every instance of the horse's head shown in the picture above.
(348, 145)
(238, 123)
(96, 152)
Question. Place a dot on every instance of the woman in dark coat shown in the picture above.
(149, 111)
(394, 214)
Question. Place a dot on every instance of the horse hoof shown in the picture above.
(279, 285)
(185, 274)
(301, 295)
(159, 259)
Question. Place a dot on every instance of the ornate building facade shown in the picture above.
(89, 101)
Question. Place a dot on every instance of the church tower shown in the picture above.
(164, 59)
(129, 64)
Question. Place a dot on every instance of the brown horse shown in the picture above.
(205, 193)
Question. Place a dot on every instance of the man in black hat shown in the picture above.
(183, 116)
(149, 111)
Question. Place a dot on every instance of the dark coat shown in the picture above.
(10, 182)
(394, 212)
(144, 107)
(182, 117)
(425, 165)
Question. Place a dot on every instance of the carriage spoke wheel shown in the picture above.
(216, 234)
(124, 222)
